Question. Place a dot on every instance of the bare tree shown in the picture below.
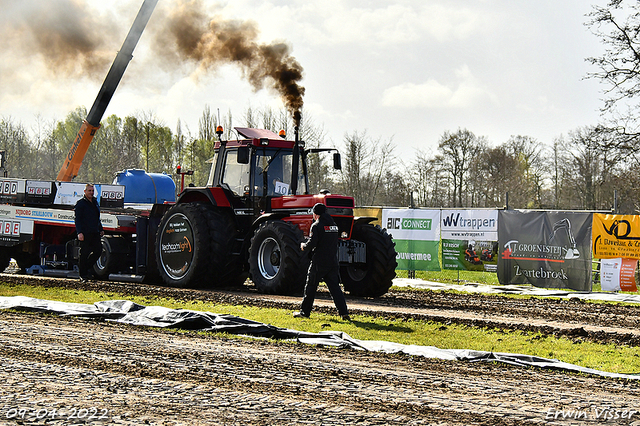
(618, 26)
(14, 140)
(500, 169)
(530, 154)
(365, 162)
(458, 150)
(591, 168)
(207, 125)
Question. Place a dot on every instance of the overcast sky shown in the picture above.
(408, 70)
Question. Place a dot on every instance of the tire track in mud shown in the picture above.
(164, 377)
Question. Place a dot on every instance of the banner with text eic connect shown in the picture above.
(470, 240)
(416, 233)
(545, 249)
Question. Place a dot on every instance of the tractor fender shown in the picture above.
(214, 195)
(255, 225)
(363, 220)
(266, 218)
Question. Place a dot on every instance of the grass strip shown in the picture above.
(604, 357)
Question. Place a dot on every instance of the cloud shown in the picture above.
(467, 92)
(334, 22)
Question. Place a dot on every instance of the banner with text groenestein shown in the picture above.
(416, 233)
(545, 249)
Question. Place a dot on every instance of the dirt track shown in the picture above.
(139, 376)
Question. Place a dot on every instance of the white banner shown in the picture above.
(610, 274)
(27, 215)
(416, 234)
(618, 274)
(412, 224)
(470, 224)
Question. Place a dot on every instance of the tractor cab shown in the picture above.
(260, 167)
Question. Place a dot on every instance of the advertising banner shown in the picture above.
(616, 236)
(618, 274)
(479, 225)
(110, 196)
(470, 240)
(545, 249)
(416, 233)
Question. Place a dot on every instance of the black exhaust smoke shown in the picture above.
(64, 34)
(72, 42)
(190, 36)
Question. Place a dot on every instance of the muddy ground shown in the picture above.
(71, 371)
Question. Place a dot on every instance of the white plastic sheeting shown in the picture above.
(128, 312)
(524, 289)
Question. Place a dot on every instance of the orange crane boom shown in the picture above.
(91, 124)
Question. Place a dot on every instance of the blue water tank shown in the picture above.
(146, 188)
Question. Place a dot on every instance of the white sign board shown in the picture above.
(470, 225)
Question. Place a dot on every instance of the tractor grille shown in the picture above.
(344, 224)
(352, 251)
(339, 202)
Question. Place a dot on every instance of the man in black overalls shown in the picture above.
(89, 230)
(323, 244)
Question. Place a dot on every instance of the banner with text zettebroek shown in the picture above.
(545, 249)
(616, 236)
(470, 239)
(416, 233)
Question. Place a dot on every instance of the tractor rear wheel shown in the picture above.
(375, 277)
(276, 263)
(193, 247)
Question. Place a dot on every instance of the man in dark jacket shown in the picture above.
(323, 244)
(89, 230)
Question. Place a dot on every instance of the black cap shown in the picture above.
(319, 209)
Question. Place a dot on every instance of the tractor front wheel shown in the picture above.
(375, 277)
(276, 263)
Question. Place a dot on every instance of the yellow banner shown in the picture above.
(615, 236)
(371, 212)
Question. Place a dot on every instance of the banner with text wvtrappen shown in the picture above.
(469, 239)
(616, 236)
(545, 249)
(416, 233)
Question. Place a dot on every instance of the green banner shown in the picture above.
(416, 255)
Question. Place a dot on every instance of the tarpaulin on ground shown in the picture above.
(469, 239)
(156, 316)
(416, 233)
(615, 236)
(545, 249)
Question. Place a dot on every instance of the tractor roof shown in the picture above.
(257, 137)
(256, 133)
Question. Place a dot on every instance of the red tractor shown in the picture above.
(251, 218)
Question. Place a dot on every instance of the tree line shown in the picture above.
(582, 170)
(590, 168)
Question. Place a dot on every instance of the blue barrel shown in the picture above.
(146, 188)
